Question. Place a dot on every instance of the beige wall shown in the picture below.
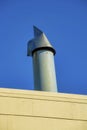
(33, 110)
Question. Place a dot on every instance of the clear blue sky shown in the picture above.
(65, 24)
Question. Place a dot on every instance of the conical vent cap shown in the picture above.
(39, 42)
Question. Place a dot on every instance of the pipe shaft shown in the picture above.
(44, 71)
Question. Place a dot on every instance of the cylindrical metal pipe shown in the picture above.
(44, 71)
(43, 62)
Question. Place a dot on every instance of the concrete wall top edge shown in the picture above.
(43, 104)
(42, 95)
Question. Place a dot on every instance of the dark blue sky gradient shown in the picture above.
(65, 24)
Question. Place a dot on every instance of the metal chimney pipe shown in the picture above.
(43, 62)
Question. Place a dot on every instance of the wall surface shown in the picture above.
(34, 110)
